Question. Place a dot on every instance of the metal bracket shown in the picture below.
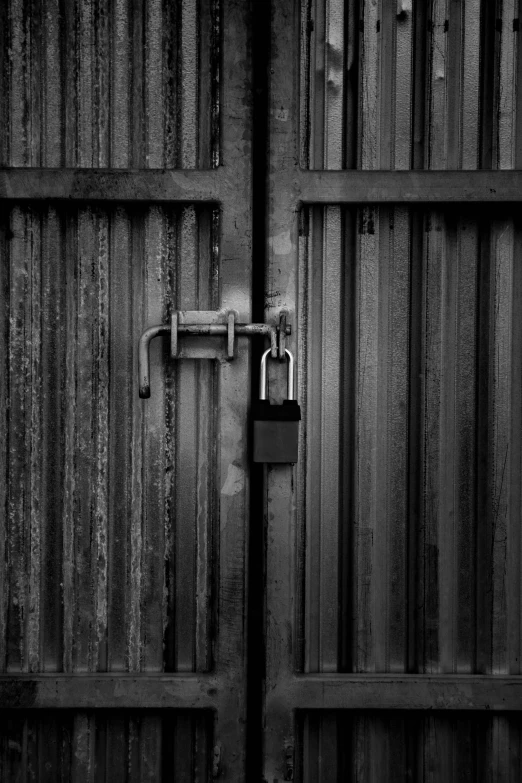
(197, 323)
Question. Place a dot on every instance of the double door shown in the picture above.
(167, 610)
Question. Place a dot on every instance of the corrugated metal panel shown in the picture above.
(410, 84)
(123, 84)
(89, 747)
(111, 502)
(372, 747)
(412, 386)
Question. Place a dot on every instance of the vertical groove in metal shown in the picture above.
(504, 450)
(323, 304)
(154, 469)
(187, 466)
(379, 405)
(334, 71)
(121, 429)
(507, 83)
(34, 421)
(401, 67)
(370, 64)
(448, 438)
(189, 86)
(111, 500)
(447, 72)
(440, 78)
(470, 86)
(100, 84)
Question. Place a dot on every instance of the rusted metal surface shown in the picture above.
(109, 746)
(367, 187)
(409, 85)
(392, 692)
(402, 746)
(202, 323)
(309, 187)
(114, 185)
(94, 523)
(111, 691)
(97, 84)
(393, 546)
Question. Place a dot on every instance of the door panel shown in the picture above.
(417, 378)
(393, 547)
(117, 498)
(105, 745)
(126, 187)
(368, 747)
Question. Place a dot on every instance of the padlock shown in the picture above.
(276, 427)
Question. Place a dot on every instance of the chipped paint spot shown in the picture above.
(234, 481)
(281, 114)
(281, 244)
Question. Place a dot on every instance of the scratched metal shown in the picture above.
(109, 747)
(372, 747)
(411, 442)
(110, 501)
(410, 85)
(123, 84)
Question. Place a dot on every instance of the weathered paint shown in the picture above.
(370, 747)
(136, 747)
(426, 68)
(93, 470)
(100, 84)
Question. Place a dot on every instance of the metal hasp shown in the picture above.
(197, 322)
(276, 427)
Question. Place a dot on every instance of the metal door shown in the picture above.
(393, 584)
(126, 190)
(393, 548)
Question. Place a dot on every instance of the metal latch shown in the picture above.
(200, 323)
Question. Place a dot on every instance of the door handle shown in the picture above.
(203, 322)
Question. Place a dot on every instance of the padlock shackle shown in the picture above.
(262, 375)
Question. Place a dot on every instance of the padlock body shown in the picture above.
(276, 431)
(275, 441)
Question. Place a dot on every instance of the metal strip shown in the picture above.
(283, 560)
(309, 187)
(113, 185)
(406, 692)
(119, 691)
(232, 460)
(365, 187)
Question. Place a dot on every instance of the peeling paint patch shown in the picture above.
(234, 482)
(281, 114)
(281, 244)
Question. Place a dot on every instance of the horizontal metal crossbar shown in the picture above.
(123, 691)
(312, 691)
(307, 187)
(146, 185)
(372, 187)
(390, 692)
